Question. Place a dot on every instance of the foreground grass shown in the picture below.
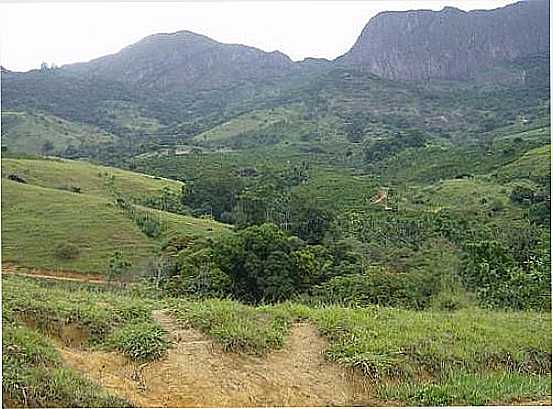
(236, 326)
(109, 320)
(470, 389)
(470, 356)
(392, 342)
(33, 375)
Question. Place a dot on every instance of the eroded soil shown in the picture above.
(197, 373)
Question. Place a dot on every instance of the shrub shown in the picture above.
(491, 271)
(66, 251)
(141, 341)
(118, 267)
(199, 275)
(380, 287)
(149, 224)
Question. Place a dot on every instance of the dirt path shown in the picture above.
(197, 373)
(53, 275)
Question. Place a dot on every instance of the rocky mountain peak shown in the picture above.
(449, 44)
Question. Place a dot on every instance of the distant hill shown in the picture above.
(185, 60)
(47, 134)
(449, 44)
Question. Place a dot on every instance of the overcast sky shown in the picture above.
(63, 33)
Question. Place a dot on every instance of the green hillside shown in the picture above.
(534, 164)
(43, 214)
(251, 121)
(36, 220)
(91, 179)
(45, 133)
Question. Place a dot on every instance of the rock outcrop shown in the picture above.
(449, 44)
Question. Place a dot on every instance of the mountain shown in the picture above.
(184, 61)
(181, 88)
(450, 44)
(4, 70)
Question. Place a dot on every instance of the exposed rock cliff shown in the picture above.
(451, 43)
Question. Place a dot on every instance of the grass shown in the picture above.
(27, 132)
(41, 216)
(392, 342)
(92, 179)
(33, 374)
(176, 224)
(470, 356)
(250, 121)
(237, 327)
(534, 164)
(51, 307)
(477, 195)
(385, 342)
(470, 390)
(37, 219)
(140, 341)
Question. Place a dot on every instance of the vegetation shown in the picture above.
(440, 357)
(33, 375)
(141, 341)
(48, 227)
(409, 223)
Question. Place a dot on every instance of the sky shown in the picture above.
(62, 33)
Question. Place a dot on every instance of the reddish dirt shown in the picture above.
(541, 402)
(53, 275)
(197, 373)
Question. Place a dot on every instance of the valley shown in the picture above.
(189, 223)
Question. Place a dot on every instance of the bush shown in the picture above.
(149, 224)
(66, 251)
(492, 272)
(380, 287)
(199, 275)
(141, 341)
(118, 267)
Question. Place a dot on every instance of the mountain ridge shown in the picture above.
(184, 59)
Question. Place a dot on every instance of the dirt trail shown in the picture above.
(53, 275)
(197, 373)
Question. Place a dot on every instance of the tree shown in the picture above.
(260, 263)
(213, 194)
(309, 220)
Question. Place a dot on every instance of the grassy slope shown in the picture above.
(35, 220)
(535, 163)
(27, 132)
(243, 123)
(42, 214)
(92, 179)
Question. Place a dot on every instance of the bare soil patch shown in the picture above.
(197, 373)
(54, 275)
